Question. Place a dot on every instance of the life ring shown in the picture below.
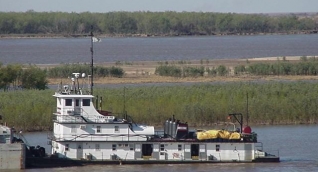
(175, 155)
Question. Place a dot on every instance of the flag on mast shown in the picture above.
(96, 39)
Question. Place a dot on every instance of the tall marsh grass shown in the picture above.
(200, 105)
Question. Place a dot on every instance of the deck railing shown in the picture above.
(79, 116)
(98, 137)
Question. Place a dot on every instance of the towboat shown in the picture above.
(12, 149)
(83, 135)
(15, 151)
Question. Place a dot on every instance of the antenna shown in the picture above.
(92, 55)
(124, 100)
(76, 77)
(247, 116)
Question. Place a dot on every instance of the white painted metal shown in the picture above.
(80, 131)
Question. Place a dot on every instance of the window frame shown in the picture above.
(217, 148)
(114, 147)
(179, 147)
(98, 129)
(68, 102)
(116, 129)
(97, 147)
(86, 102)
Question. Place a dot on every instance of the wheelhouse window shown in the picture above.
(68, 102)
(86, 102)
(67, 147)
(98, 129)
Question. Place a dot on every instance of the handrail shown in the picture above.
(74, 114)
(20, 136)
(99, 137)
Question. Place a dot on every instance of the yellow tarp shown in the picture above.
(235, 135)
(213, 134)
(223, 134)
(210, 134)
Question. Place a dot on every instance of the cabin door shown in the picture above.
(77, 108)
(155, 153)
(79, 150)
(187, 151)
(248, 152)
(163, 152)
(146, 150)
(202, 153)
(137, 151)
(195, 151)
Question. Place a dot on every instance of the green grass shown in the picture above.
(201, 104)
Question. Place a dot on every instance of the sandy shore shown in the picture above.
(143, 71)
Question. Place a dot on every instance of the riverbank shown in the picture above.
(52, 35)
(144, 71)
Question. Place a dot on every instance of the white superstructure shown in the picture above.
(12, 153)
(83, 133)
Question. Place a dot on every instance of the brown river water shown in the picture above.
(295, 144)
(74, 50)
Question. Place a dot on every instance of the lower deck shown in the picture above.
(157, 151)
(48, 162)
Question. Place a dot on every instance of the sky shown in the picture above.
(102, 6)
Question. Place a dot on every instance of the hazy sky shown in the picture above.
(236, 6)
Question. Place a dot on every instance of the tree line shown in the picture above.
(17, 77)
(152, 23)
(32, 77)
(14, 76)
(306, 66)
(65, 70)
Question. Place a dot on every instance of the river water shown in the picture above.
(74, 50)
(295, 144)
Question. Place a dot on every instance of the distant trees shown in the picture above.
(14, 76)
(66, 70)
(9, 74)
(34, 78)
(306, 66)
(152, 23)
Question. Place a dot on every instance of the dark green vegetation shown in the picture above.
(186, 71)
(31, 77)
(201, 104)
(153, 23)
(306, 66)
(14, 76)
(66, 70)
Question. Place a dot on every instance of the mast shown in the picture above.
(92, 63)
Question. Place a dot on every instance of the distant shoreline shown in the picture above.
(144, 72)
(52, 36)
